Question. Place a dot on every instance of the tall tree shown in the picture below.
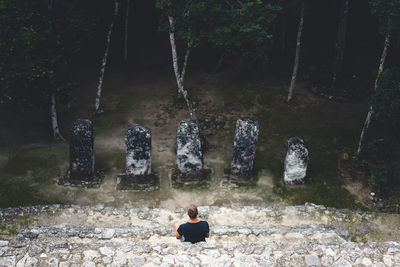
(240, 27)
(367, 121)
(37, 42)
(179, 23)
(54, 121)
(180, 75)
(105, 56)
(53, 110)
(340, 41)
(388, 14)
(297, 56)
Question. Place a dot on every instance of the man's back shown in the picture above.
(194, 232)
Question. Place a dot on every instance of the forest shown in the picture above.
(326, 70)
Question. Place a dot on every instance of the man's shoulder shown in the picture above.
(183, 225)
(204, 225)
(190, 225)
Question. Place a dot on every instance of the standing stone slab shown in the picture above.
(189, 151)
(81, 170)
(296, 161)
(138, 175)
(244, 149)
(138, 146)
(81, 152)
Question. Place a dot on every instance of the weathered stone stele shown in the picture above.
(81, 150)
(138, 154)
(189, 151)
(296, 161)
(138, 174)
(244, 149)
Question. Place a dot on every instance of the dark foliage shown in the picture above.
(37, 44)
(239, 27)
(380, 155)
(386, 100)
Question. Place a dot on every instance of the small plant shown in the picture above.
(376, 160)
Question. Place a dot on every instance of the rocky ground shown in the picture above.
(306, 235)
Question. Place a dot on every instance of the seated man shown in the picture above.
(194, 230)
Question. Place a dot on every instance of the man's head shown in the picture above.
(192, 211)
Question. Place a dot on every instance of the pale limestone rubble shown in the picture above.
(307, 235)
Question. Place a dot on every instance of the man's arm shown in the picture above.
(176, 226)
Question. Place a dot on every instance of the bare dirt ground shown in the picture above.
(360, 191)
(29, 170)
(161, 112)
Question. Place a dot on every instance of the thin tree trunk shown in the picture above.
(220, 61)
(126, 30)
(53, 110)
(104, 61)
(340, 41)
(174, 55)
(383, 58)
(180, 76)
(183, 72)
(371, 111)
(54, 122)
(297, 57)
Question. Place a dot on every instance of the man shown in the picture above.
(194, 230)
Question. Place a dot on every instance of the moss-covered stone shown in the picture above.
(138, 182)
(204, 182)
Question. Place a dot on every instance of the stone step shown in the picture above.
(362, 226)
(260, 233)
(249, 215)
(172, 252)
(306, 235)
(253, 215)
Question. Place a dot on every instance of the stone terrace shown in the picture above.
(306, 235)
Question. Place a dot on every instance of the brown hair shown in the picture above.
(192, 211)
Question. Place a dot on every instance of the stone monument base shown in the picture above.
(232, 181)
(242, 179)
(138, 182)
(201, 179)
(90, 182)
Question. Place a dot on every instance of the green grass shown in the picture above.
(28, 171)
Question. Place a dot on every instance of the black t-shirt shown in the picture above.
(194, 232)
